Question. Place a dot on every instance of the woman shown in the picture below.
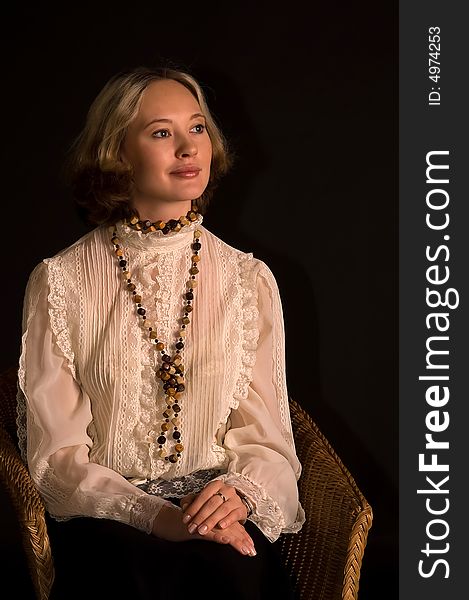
(152, 372)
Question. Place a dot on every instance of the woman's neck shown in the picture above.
(164, 211)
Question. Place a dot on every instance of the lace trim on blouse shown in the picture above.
(58, 311)
(267, 514)
(137, 510)
(250, 333)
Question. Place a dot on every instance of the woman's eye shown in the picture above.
(161, 133)
(199, 127)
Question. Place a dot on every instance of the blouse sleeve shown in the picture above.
(58, 413)
(263, 464)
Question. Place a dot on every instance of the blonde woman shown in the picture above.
(153, 402)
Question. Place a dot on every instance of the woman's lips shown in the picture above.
(186, 174)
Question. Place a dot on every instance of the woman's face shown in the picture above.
(167, 136)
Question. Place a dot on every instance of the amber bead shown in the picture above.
(119, 252)
(177, 359)
(178, 395)
(162, 453)
(175, 421)
(192, 215)
(194, 271)
(184, 221)
(153, 335)
(137, 298)
(159, 346)
(134, 220)
(131, 287)
(197, 233)
(179, 447)
(115, 240)
(188, 308)
(165, 376)
(166, 414)
(186, 320)
(164, 426)
(196, 258)
(171, 391)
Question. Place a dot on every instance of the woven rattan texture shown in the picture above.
(325, 557)
(24, 497)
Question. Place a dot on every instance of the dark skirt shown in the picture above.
(100, 558)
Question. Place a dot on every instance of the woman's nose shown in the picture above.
(187, 147)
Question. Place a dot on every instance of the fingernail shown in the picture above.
(186, 518)
(203, 529)
(245, 550)
(192, 527)
(253, 552)
(224, 539)
(222, 524)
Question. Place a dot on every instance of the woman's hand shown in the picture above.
(168, 525)
(217, 504)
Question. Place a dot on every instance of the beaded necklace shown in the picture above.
(171, 370)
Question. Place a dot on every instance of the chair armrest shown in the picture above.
(325, 557)
(30, 512)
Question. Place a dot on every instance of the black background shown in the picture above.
(307, 97)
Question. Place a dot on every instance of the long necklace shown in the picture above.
(171, 370)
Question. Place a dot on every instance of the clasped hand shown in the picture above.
(214, 514)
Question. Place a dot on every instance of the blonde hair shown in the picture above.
(100, 181)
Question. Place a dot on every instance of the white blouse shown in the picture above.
(88, 393)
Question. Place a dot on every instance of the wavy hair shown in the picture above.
(100, 181)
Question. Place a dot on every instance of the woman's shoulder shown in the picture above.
(249, 264)
(84, 243)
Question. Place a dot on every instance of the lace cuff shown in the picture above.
(138, 510)
(144, 509)
(266, 514)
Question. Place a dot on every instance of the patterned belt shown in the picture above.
(180, 486)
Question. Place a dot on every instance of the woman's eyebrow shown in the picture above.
(194, 116)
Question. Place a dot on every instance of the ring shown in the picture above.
(222, 496)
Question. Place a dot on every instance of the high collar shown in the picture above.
(157, 240)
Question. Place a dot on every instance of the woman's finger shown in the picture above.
(214, 504)
(237, 538)
(203, 496)
(187, 501)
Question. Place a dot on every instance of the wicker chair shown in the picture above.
(324, 558)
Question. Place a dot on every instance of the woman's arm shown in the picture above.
(58, 414)
(263, 465)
